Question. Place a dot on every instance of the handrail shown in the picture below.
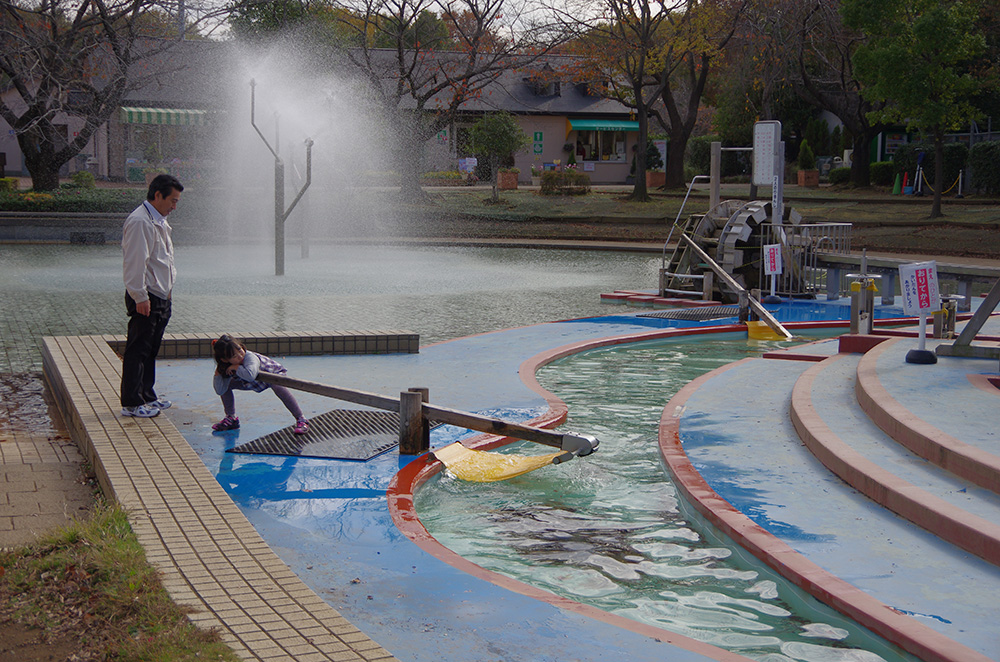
(663, 258)
(574, 444)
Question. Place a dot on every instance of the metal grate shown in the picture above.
(341, 434)
(696, 314)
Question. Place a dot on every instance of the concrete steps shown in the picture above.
(975, 456)
(730, 440)
(832, 424)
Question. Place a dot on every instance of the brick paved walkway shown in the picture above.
(211, 558)
(42, 483)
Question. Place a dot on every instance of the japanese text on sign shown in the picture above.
(772, 259)
(919, 288)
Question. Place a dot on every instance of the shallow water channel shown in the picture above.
(608, 530)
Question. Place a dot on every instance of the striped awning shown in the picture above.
(172, 116)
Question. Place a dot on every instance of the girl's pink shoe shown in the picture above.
(301, 426)
(228, 423)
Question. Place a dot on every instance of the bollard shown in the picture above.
(425, 423)
(862, 305)
(944, 319)
(744, 303)
(411, 428)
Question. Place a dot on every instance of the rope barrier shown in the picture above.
(928, 184)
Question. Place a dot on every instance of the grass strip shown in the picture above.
(89, 582)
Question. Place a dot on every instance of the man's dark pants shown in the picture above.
(141, 347)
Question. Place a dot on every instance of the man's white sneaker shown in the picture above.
(142, 411)
(160, 403)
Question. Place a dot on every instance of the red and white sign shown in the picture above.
(919, 288)
(772, 259)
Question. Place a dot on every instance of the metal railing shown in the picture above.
(800, 244)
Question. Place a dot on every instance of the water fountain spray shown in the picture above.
(280, 213)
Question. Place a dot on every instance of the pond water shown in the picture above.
(438, 292)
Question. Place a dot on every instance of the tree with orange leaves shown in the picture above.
(656, 57)
(624, 47)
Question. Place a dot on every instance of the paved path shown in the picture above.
(42, 482)
(210, 557)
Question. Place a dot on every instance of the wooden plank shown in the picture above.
(433, 412)
(347, 395)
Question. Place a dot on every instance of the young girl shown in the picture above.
(237, 368)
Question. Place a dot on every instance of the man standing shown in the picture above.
(149, 280)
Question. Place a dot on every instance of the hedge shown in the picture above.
(984, 159)
(567, 182)
(883, 173)
(840, 175)
(73, 199)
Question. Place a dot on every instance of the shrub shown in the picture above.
(956, 156)
(8, 184)
(443, 174)
(699, 154)
(807, 160)
(74, 200)
(567, 182)
(653, 159)
(983, 159)
(516, 171)
(83, 179)
(883, 173)
(840, 175)
(817, 132)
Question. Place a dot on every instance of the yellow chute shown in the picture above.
(486, 467)
(759, 330)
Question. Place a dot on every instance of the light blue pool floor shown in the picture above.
(329, 521)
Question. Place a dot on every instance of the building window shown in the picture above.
(600, 146)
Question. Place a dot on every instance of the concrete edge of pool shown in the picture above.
(85, 370)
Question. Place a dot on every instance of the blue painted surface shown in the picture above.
(328, 519)
(756, 462)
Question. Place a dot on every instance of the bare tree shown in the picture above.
(71, 59)
(421, 85)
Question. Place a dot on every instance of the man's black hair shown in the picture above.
(163, 184)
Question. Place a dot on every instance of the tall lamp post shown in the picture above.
(280, 213)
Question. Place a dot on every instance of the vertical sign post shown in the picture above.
(921, 296)
(772, 265)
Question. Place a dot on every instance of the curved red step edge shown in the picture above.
(947, 521)
(897, 628)
(918, 436)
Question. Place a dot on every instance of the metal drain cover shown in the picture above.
(341, 434)
(696, 314)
